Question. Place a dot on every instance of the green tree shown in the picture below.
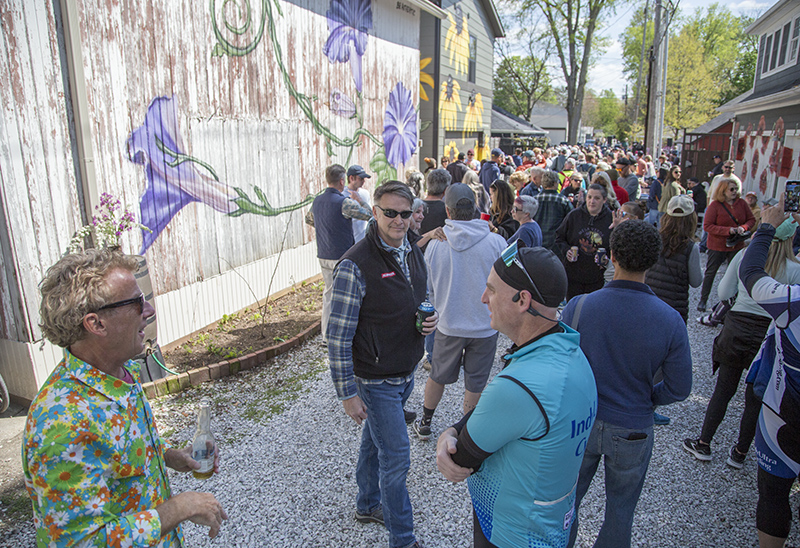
(729, 51)
(691, 92)
(519, 83)
(571, 25)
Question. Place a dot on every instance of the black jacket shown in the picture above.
(589, 233)
(386, 343)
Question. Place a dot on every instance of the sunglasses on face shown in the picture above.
(391, 213)
(510, 257)
(138, 301)
(727, 167)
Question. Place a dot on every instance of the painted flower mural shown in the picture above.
(172, 182)
(341, 104)
(456, 41)
(450, 150)
(424, 78)
(349, 23)
(400, 126)
(449, 103)
(474, 113)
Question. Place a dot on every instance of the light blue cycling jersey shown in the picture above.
(524, 493)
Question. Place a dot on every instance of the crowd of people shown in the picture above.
(561, 251)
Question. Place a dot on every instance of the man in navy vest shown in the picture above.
(373, 349)
(331, 215)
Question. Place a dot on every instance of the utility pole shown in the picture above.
(641, 66)
(655, 91)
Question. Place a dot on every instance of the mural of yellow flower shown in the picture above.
(424, 78)
(481, 152)
(450, 150)
(474, 113)
(456, 41)
(449, 103)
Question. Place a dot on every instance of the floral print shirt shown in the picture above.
(93, 461)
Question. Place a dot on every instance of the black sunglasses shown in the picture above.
(139, 301)
(391, 213)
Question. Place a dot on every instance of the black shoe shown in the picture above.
(376, 516)
(423, 428)
(701, 451)
(736, 459)
(410, 416)
(701, 306)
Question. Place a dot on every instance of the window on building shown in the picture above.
(473, 57)
(781, 47)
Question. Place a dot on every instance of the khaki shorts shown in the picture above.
(476, 355)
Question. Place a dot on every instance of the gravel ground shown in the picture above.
(289, 455)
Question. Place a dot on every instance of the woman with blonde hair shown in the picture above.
(727, 218)
(482, 199)
(601, 178)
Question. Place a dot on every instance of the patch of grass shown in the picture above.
(16, 505)
(278, 397)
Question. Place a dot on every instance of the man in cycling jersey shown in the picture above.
(521, 448)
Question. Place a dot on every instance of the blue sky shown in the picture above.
(607, 73)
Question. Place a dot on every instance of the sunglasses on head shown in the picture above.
(510, 256)
(138, 301)
(391, 213)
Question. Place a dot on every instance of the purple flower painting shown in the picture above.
(341, 104)
(172, 178)
(349, 23)
(400, 126)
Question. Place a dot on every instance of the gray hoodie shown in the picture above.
(457, 273)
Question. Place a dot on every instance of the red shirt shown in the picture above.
(622, 194)
(718, 223)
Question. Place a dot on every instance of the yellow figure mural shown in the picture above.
(456, 41)
(474, 113)
(424, 78)
(481, 152)
(450, 103)
(451, 151)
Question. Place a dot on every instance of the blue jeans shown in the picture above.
(625, 462)
(429, 347)
(384, 459)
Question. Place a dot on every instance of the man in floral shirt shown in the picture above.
(95, 467)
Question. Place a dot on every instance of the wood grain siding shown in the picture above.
(241, 115)
(38, 193)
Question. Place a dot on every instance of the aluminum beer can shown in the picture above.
(601, 253)
(424, 312)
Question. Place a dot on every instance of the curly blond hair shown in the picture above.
(75, 286)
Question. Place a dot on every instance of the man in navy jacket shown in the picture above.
(625, 369)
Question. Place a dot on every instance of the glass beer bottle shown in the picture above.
(203, 445)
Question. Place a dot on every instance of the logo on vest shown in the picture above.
(388, 274)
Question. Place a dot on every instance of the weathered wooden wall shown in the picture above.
(238, 114)
(39, 207)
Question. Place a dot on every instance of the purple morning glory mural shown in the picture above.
(172, 179)
(400, 126)
(349, 23)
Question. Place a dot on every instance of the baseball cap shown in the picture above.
(680, 206)
(497, 152)
(751, 193)
(785, 230)
(623, 161)
(459, 196)
(543, 267)
(357, 171)
(470, 151)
